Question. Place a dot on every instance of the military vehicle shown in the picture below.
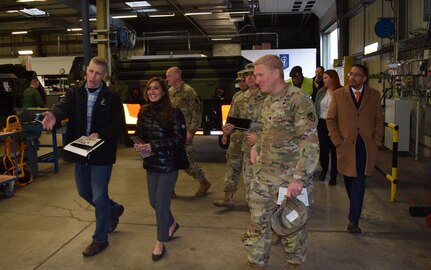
(205, 74)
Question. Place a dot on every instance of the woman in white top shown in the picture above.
(331, 82)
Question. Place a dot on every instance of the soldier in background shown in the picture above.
(249, 108)
(285, 155)
(184, 97)
(253, 100)
(298, 80)
(234, 155)
(32, 97)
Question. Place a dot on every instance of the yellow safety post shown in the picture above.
(393, 176)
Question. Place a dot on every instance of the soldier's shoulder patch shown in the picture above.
(311, 116)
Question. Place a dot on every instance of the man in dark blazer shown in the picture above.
(95, 111)
(356, 125)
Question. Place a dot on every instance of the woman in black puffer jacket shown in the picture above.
(162, 129)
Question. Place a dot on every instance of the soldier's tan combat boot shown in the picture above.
(203, 188)
(293, 266)
(227, 201)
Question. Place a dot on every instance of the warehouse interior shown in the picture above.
(46, 225)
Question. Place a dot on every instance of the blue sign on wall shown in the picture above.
(285, 59)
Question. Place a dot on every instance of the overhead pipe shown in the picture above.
(198, 36)
(166, 37)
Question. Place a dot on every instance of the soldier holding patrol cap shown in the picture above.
(285, 155)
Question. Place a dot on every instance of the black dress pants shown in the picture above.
(326, 148)
(355, 186)
(160, 188)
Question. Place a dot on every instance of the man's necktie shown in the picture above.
(357, 95)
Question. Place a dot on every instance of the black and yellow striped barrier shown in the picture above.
(393, 176)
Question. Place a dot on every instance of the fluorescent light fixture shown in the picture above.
(124, 16)
(25, 52)
(12, 11)
(198, 13)
(91, 19)
(220, 39)
(371, 48)
(74, 29)
(33, 12)
(138, 4)
(19, 32)
(147, 10)
(27, 1)
(160, 15)
(239, 12)
(236, 17)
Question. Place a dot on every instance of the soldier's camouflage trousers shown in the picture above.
(262, 204)
(194, 170)
(234, 157)
(247, 174)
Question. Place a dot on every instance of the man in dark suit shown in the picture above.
(317, 81)
(356, 125)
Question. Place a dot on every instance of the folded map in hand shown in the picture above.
(239, 123)
(83, 145)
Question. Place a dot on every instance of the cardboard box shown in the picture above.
(257, 47)
(266, 45)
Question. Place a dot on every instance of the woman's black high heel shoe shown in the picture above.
(157, 257)
(172, 236)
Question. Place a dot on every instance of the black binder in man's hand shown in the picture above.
(239, 123)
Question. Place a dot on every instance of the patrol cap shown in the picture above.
(249, 68)
(240, 76)
(290, 217)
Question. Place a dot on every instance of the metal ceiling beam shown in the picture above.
(176, 6)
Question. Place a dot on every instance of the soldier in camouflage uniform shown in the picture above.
(184, 97)
(252, 101)
(285, 155)
(234, 154)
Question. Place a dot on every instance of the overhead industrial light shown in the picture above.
(147, 10)
(74, 29)
(25, 52)
(124, 16)
(26, 1)
(33, 12)
(236, 17)
(12, 11)
(19, 32)
(138, 4)
(160, 15)
(91, 19)
(371, 48)
(198, 13)
(221, 39)
(239, 12)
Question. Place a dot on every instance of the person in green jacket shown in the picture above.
(32, 97)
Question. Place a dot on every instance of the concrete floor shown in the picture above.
(46, 225)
